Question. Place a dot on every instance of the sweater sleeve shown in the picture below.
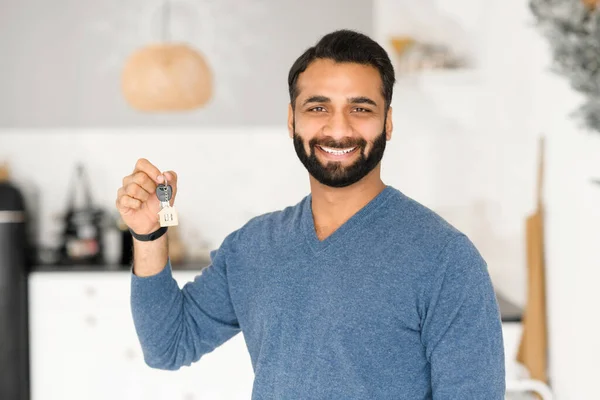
(462, 329)
(175, 327)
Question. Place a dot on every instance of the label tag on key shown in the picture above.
(167, 214)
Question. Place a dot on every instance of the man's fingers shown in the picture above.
(140, 179)
(146, 176)
(146, 166)
(125, 203)
(144, 181)
(136, 191)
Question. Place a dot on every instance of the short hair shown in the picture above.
(346, 46)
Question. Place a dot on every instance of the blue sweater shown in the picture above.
(395, 304)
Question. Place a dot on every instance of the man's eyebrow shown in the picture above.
(316, 99)
(351, 100)
(362, 100)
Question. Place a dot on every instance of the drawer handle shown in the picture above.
(90, 320)
(90, 291)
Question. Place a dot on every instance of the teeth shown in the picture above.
(337, 152)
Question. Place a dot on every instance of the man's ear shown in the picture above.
(290, 121)
(389, 124)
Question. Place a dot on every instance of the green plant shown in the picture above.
(573, 30)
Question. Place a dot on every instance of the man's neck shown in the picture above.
(332, 207)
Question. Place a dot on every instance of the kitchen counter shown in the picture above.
(196, 266)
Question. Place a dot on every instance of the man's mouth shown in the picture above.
(337, 152)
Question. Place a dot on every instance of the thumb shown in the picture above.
(171, 177)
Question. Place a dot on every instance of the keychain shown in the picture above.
(167, 213)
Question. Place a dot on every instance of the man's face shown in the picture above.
(339, 124)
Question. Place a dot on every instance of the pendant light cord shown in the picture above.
(166, 21)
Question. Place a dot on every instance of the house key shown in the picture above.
(167, 214)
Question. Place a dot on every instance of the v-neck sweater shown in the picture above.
(394, 304)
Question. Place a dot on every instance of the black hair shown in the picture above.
(346, 46)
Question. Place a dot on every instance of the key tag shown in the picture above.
(167, 214)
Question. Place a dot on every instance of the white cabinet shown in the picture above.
(84, 346)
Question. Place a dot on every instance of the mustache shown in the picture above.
(338, 144)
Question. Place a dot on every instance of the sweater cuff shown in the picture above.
(156, 279)
(152, 291)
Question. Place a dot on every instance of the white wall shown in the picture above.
(225, 175)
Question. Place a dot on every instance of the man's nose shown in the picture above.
(338, 126)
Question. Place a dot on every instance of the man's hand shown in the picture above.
(136, 199)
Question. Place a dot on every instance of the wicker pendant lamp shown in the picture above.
(167, 76)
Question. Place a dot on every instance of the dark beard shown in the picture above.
(334, 174)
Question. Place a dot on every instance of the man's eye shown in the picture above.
(317, 109)
(360, 109)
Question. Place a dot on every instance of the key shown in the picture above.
(167, 214)
(164, 194)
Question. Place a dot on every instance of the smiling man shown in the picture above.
(355, 292)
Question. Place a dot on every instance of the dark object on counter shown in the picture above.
(15, 262)
(509, 311)
(83, 226)
(126, 248)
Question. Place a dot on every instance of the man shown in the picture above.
(357, 291)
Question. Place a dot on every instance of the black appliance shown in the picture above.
(15, 262)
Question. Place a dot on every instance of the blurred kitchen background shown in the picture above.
(485, 133)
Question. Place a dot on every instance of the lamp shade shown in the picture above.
(167, 77)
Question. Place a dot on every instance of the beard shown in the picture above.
(334, 173)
